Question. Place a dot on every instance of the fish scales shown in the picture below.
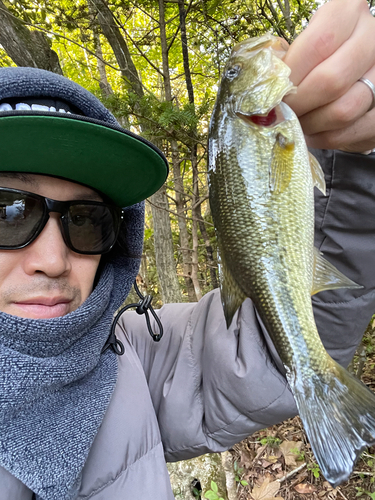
(271, 284)
(261, 180)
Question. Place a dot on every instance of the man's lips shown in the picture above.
(44, 307)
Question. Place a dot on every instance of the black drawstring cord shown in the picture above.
(141, 307)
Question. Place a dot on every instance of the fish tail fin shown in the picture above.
(338, 414)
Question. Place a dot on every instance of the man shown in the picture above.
(78, 421)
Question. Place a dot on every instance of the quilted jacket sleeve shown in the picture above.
(210, 386)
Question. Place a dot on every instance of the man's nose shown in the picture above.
(48, 254)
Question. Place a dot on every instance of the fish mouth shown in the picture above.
(269, 119)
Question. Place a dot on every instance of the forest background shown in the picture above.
(156, 65)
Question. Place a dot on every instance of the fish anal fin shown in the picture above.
(281, 167)
(231, 294)
(338, 414)
(327, 277)
(317, 174)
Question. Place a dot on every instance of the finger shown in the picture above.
(328, 29)
(358, 137)
(334, 76)
(342, 112)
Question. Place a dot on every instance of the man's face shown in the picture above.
(46, 279)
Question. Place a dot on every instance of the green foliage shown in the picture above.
(271, 441)
(315, 469)
(196, 493)
(369, 459)
(213, 493)
(299, 454)
(5, 61)
(238, 471)
(362, 491)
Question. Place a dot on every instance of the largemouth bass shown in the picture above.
(261, 180)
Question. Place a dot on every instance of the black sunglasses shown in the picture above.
(88, 227)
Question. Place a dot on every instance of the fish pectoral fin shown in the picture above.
(282, 163)
(317, 174)
(231, 294)
(327, 277)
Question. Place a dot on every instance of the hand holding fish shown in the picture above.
(261, 179)
(327, 60)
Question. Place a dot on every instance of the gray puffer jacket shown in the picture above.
(203, 387)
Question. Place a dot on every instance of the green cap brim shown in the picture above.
(121, 165)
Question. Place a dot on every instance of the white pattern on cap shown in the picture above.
(21, 106)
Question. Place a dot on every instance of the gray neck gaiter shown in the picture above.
(55, 387)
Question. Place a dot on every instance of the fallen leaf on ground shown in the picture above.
(291, 451)
(305, 488)
(265, 464)
(331, 495)
(246, 459)
(266, 490)
(260, 451)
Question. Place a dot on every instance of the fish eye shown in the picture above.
(232, 72)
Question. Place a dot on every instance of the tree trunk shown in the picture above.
(185, 52)
(170, 288)
(285, 9)
(194, 255)
(197, 213)
(178, 182)
(104, 85)
(165, 263)
(181, 215)
(119, 46)
(25, 47)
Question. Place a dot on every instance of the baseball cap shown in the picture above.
(50, 125)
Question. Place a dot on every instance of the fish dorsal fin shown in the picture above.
(327, 277)
(317, 174)
(231, 295)
(281, 167)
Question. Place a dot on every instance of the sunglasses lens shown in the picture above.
(20, 216)
(92, 228)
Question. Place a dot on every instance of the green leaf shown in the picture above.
(214, 487)
(211, 495)
(244, 483)
(213, 6)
